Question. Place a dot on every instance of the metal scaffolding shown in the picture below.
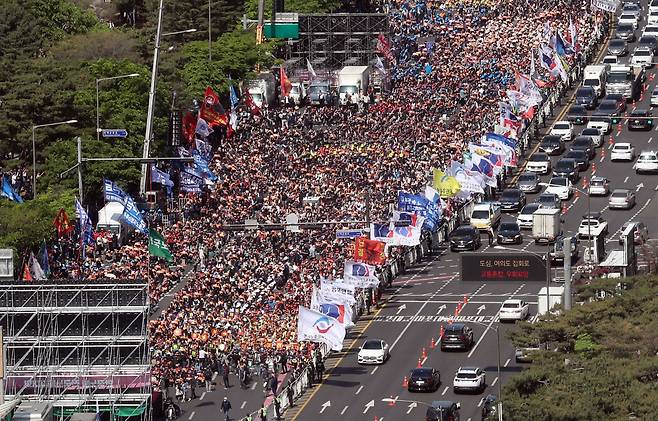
(82, 346)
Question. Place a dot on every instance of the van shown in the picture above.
(595, 77)
(485, 216)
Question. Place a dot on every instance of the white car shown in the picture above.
(628, 18)
(647, 162)
(373, 351)
(653, 18)
(564, 129)
(595, 135)
(654, 97)
(622, 152)
(599, 186)
(539, 162)
(610, 60)
(642, 57)
(469, 378)
(592, 225)
(650, 30)
(514, 309)
(599, 122)
(524, 219)
(560, 186)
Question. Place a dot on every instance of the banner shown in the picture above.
(113, 193)
(189, 182)
(212, 110)
(338, 290)
(133, 217)
(62, 223)
(446, 186)
(158, 246)
(361, 275)
(331, 307)
(158, 176)
(314, 326)
(369, 251)
(422, 206)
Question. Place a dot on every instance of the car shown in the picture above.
(489, 407)
(621, 199)
(524, 354)
(610, 108)
(648, 40)
(610, 60)
(443, 411)
(581, 158)
(653, 18)
(567, 167)
(561, 186)
(528, 182)
(373, 351)
(557, 252)
(641, 234)
(577, 114)
(584, 143)
(654, 97)
(524, 219)
(512, 200)
(640, 119)
(617, 47)
(469, 378)
(633, 9)
(552, 145)
(465, 237)
(513, 309)
(599, 186)
(549, 201)
(564, 129)
(485, 215)
(424, 379)
(587, 97)
(626, 32)
(457, 335)
(629, 18)
(622, 152)
(602, 121)
(642, 57)
(650, 29)
(539, 162)
(619, 98)
(647, 162)
(592, 225)
(595, 135)
(509, 232)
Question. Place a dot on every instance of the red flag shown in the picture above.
(212, 110)
(249, 102)
(369, 251)
(62, 224)
(189, 127)
(286, 86)
(384, 47)
(27, 276)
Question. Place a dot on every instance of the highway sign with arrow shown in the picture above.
(402, 307)
(412, 405)
(325, 405)
(482, 307)
(369, 405)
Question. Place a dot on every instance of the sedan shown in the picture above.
(584, 143)
(626, 32)
(509, 233)
(549, 201)
(469, 378)
(648, 40)
(539, 163)
(565, 128)
(465, 237)
(513, 310)
(581, 158)
(640, 120)
(560, 186)
(617, 47)
(528, 182)
(641, 232)
(512, 200)
(567, 167)
(424, 379)
(629, 18)
(647, 162)
(654, 97)
(373, 351)
(619, 98)
(552, 145)
(621, 199)
(525, 216)
(595, 135)
(599, 186)
(622, 152)
(577, 114)
(642, 56)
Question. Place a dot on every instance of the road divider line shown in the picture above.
(191, 415)
(244, 403)
(374, 370)
(507, 362)
(358, 390)
(626, 179)
(445, 390)
(494, 381)
(203, 395)
(344, 409)
(480, 403)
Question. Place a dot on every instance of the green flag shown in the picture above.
(158, 247)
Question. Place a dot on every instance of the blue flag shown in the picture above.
(132, 216)
(189, 181)
(507, 141)
(233, 96)
(161, 177)
(422, 206)
(113, 193)
(44, 261)
(9, 192)
(86, 229)
(201, 165)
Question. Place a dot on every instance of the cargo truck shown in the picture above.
(625, 80)
(546, 225)
(546, 300)
(263, 89)
(352, 84)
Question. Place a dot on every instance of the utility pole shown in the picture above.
(566, 248)
(261, 21)
(79, 140)
(209, 32)
(548, 283)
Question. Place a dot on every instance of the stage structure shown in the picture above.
(80, 345)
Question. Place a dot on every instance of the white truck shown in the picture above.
(263, 89)
(546, 300)
(595, 77)
(625, 80)
(546, 225)
(352, 83)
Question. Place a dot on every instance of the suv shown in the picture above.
(465, 237)
(567, 167)
(640, 120)
(443, 411)
(557, 253)
(469, 378)
(424, 379)
(584, 143)
(457, 335)
(512, 200)
(586, 96)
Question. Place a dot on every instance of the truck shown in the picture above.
(595, 76)
(625, 80)
(547, 299)
(546, 225)
(319, 92)
(109, 219)
(263, 89)
(352, 84)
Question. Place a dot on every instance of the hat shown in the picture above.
(225, 398)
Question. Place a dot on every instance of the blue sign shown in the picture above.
(348, 234)
(115, 133)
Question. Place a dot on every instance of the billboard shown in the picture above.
(503, 267)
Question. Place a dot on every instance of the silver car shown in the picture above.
(599, 186)
(529, 182)
(621, 199)
(618, 47)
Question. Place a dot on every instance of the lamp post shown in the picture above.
(98, 81)
(34, 151)
(154, 72)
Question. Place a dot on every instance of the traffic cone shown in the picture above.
(433, 344)
(612, 141)
(419, 364)
(405, 382)
(465, 299)
(390, 403)
(564, 209)
(424, 353)
(593, 168)
(441, 332)
(577, 193)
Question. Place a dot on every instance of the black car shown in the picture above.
(594, 134)
(509, 233)
(457, 335)
(584, 143)
(626, 32)
(650, 42)
(577, 114)
(443, 411)
(512, 200)
(567, 167)
(552, 145)
(465, 237)
(617, 47)
(640, 119)
(619, 98)
(489, 408)
(581, 158)
(610, 108)
(587, 97)
(424, 379)
(557, 253)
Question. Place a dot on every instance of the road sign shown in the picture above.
(115, 133)
(286, 17)
(348, 234)
(505, 267)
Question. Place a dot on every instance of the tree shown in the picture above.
(298, 6)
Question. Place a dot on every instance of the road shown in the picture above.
(429, 292)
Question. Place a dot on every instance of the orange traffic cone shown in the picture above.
(593, 168)
(441, 331)
(577, 193)
(390, 403)
(612, 140)
(465, 299)
(405, 382)
(419, 364)
(424, 355)
(432, 344)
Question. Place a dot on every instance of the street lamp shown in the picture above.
(34, 151)
(98, 81)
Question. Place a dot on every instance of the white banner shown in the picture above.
(314, 326)
(360, 275)
(333, 308)
(341, 291)
(607, 5)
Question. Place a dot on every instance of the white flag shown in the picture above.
(333, 308)
(314, 326)
(337, 289)
(35, 269)
(408, 236)
(360, 274)
(310, 68)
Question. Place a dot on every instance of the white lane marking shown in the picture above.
(626, 179)
(203, 395)
(244, 403)
(656, 128)
(656, 188)
(480, 403)
(445, 390)
(191, 415)
(494, 381)
(344, 409)
(650, 139)
(468, 419)
(374, 370)
(253, 386)
(602, 159)
(507, 362)
(423, 362)
(358, 390)
(447, 302)
(576, 199)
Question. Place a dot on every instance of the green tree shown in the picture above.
(298, 6)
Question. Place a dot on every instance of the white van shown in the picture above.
(485, 216)
(595, 77)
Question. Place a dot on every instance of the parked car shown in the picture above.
(552, 145)
(622, 152)
(641, 234)
(465, 237)
(564, 129)
(469, 379)
(549, 201)
(577, 114)
(514, 309)
(640, 119)
(524, 219)
(592, 225)
(599, 186)
(626, 32)
(619, 98)
(528, 182)
(587, 97)
(509, 232)
(373, 351)
(617, 47)
(512, 200)
(642, 56)
(647, 162)
(443, 411)
(621, 199)
(424, 379)
(629, 18)
(610, 108)
(648, 40)
(612, 60)
(561, 186)
(457, 335)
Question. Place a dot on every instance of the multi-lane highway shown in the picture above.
(421, 300)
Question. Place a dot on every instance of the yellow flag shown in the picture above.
(447, 186)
